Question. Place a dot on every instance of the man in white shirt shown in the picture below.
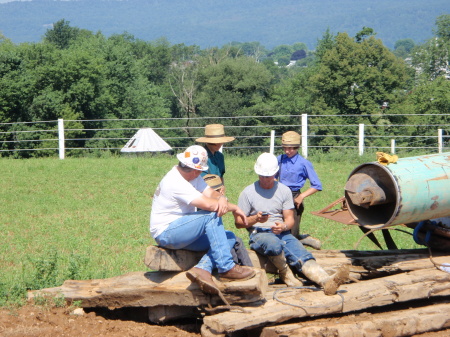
(175, 222)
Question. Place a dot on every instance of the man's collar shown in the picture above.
(293, 159)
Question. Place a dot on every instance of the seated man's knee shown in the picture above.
(267, 244)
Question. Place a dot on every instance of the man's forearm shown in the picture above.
(251, 220)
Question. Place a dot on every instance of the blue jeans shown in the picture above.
(269, 244)
(201, 231)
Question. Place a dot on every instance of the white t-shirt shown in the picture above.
(172, 199)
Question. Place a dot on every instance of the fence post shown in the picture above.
(361, 139)
(393, 146)
(440, 142)
(61, 138)
(305, 135)
(272, 141)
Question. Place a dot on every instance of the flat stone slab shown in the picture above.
(149, 289)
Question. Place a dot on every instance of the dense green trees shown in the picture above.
(86, 78)
(403, 48)
(356, 77)
(432, 58)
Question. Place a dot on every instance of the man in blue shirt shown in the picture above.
(294, 171)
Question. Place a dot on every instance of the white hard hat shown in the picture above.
(266, 165)
(194, 157)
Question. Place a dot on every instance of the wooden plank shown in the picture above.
(393, 323)
(148, 289)
(161, 259)
(157, 258)
(379, 292)
(365, 264)
(371, 264)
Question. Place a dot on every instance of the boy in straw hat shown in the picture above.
(214, 139)
(294, 171)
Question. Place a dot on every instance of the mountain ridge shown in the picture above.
(208, 23)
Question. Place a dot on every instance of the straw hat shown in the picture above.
(290, 139)
(215, 134)
(213, 181)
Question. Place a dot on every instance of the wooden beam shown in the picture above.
(363, 264)
(422, 284)
(162, 259)
(392, 323)
(149, 289)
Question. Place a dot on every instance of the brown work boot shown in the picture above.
(238, 273)
(203, 279)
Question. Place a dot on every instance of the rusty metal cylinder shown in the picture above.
(411, 190)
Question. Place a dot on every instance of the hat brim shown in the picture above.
(266, 174)
(290, 145)
(180, 157)
(215, 140)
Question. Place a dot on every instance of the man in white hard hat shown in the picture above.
(269, 208)
(175, 223)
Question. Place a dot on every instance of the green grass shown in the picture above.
(89, 217)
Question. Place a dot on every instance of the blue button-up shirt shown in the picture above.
(295, 171)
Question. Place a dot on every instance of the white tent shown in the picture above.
(145, 140)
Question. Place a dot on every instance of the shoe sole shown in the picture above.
(204, 286)
(237, 279)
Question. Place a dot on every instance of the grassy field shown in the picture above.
(89, 217)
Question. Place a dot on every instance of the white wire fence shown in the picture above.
(252, 133)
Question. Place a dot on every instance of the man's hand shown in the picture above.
(279, 227)
(261, 218)
(298, 201)
(238, 213)
(222, 206)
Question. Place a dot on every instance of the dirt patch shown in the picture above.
(40, 321)
(51, 322)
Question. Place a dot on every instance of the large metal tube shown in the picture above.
(410, 190)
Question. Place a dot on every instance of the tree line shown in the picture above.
(84, 77)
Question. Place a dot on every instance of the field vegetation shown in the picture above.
(88, 218)
(107, 87)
